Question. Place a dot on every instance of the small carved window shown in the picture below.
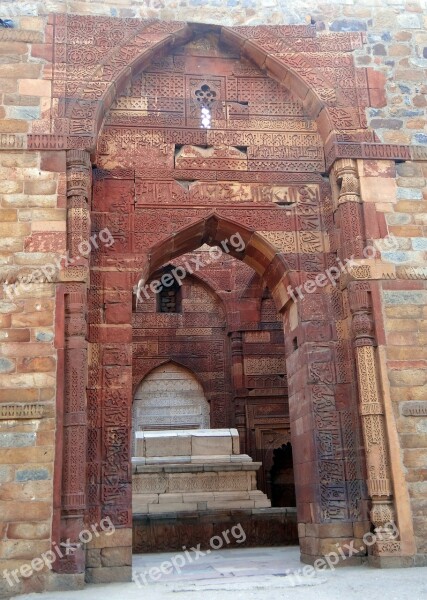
(169, 298)
(206, 97)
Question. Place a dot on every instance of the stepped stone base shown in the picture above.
(193, 470)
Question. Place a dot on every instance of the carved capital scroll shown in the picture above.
(347, 179)
(347, 209)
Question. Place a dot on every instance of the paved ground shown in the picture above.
(253, 573)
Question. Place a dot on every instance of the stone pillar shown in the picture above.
(347, 210)
(239, 391)
(349, 220)
(373, 421)
(74, 272)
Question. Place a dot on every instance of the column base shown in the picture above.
(397, 562)
(109, 574)
(60, 582)
(353, 561)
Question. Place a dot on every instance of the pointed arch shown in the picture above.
(239, 241)
(142, 41)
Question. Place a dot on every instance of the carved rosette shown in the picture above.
(373, 420)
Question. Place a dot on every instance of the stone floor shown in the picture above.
(252, 573)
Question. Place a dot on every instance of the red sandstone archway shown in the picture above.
(266, 260)
(329, 492)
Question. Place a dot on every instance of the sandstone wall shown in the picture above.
(32, 228)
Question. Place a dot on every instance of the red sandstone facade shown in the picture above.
(281, 166)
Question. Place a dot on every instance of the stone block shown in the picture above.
(38, 365)
(13, 125)
(42, 490)
(116, 557)
(139, 506)
(28, 454)
(35, 87)
(36, 319)
(7, 366)
(10, 187)
(8, 215)
(167, 446)
(409, 193)
(408, 377)
(147, 498)
(93, 558)
(29, 531)
(201, 445)
(19, 349)
(170, 507)
(378, 189)
(23, 549)
(17, 440)
(105, 539)
(240, 495)
(108, 574)
(5, 474)
(236, 504)
(34, 474)
(171, 498)
(197, 497)
(43, 187)
(264, 503)
(348, 25)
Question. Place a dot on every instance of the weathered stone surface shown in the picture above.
(108, 574)
(116, 557)
(29, 531)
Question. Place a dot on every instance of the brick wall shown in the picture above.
(32, 234)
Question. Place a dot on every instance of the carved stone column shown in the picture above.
(373, 420)
(347, 209)
(74, 272)
(237, 359)
(239, 396)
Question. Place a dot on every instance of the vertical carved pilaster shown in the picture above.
(79, 182)
(237, 374)
(373, 420)
(237, 359)
(347, 209)
(75, 358)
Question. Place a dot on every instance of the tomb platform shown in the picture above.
(190, 483)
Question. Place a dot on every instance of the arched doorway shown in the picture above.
(325, 425)
(239, 186)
